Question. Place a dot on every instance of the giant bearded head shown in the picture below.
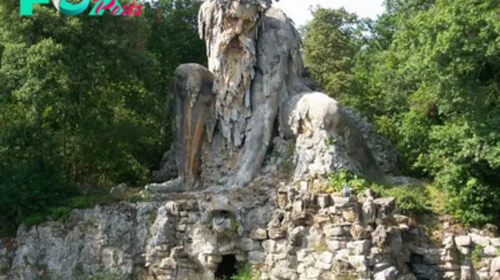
(230, 30)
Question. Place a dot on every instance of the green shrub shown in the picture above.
(410, 200)
(344, 177)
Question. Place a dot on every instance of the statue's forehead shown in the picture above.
(242, 11)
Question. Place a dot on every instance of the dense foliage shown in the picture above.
(427, 74)
(82, 99)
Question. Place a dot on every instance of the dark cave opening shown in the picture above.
(227, 268)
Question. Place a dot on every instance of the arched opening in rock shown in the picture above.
(227, 268)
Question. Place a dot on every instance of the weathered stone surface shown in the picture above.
(247, 244)
(480, 240)
(256, 257)
(333, 231)
(359, 247)
(387, 274)
(466, 273)
(490, 251)
(276, 233)
(379, 236)
(495, 265)
(284, 273)
(358, 262)
(463, 240)
(369, 211)
(258, 234)
(324, 261)
(358, 232)
(495, 242)
(385, 206)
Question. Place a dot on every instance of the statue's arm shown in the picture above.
(268, 89)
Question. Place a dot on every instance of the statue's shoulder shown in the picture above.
(275, 18)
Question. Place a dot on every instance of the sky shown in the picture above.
(298, 10)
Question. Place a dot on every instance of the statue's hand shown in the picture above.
(166, 187)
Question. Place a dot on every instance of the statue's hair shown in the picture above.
(263, 4)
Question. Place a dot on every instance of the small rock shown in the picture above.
(369, 211)
(358, 262)
(258, 234)
(490, 251)
(433, 256)
(463, 241)
(380, 267)
(480, 240)
(282, 200)
(448, 242)
(495, 265)
(388, 274)
(340, 202)
(359, 247)
(333, 231)
(256, 257)
(324, 261)
(451, 275)
(283, 273)
(326, 257)
(350, 214)
(247, 244)
(465, 273)
(334, 245)
(269, 246)
(303, 186)
(385, 206)
(495, 242)
(276, 233)
(358, 232)
(490, 230)
(379, 236)
(324, 201)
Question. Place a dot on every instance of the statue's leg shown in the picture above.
(259, 133)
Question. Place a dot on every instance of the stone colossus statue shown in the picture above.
(253, 89)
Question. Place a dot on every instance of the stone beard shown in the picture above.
(232, 57)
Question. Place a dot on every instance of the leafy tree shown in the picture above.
(329, 47)
(82, 99)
